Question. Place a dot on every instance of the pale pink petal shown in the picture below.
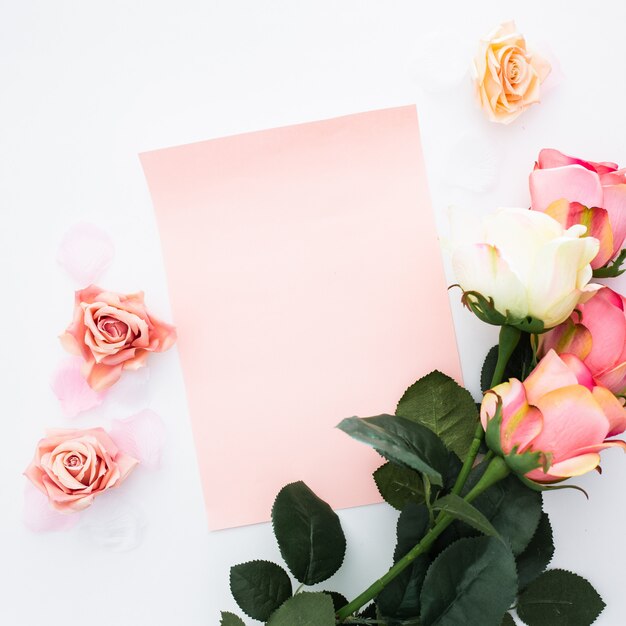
(551, 373)
(567, 337)
(39, 516)
(142, 436)
(551, 158)
(575, 466)
(572, 182)
(615, 379)
(605, 445)
(613, 409)
(615, 204)
(607, 325)
(72, 390)
(86, 251)
(581, 371)
(572, 420)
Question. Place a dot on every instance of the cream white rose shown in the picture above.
(527, 263)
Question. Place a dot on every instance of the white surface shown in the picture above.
(87, 85)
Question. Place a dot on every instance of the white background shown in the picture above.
(85, 86)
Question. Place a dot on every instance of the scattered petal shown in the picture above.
(114, 524)
(86, 251)
(142, 436)
(72, 390)
(475, 161)
(39, 516)
(131, 392)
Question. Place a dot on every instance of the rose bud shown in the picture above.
(72, 467)
(554, 424)
(596, 193)
(507, 77)
(596, 334)
(522, 268)
(113, 332)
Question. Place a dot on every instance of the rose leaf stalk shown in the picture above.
(495, 472)
(509, 338)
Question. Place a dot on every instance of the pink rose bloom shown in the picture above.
(558, 412)
(596, 191)
(596, 334)
(113, 332)
(71, 467)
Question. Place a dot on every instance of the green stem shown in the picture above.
(509, 338)
(496, 471)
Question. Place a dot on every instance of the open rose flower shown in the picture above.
(506, 75)
(113, 332)
(558, 419)
(527, 263)
(595, 195)
(596, 334)
(71, 467)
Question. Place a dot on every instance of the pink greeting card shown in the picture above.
(306, 283)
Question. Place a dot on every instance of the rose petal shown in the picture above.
(114, 524)
(38, 516)
(86, 251)
(142, 436)
(572, 182)
(72, 390)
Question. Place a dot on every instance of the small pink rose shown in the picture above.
(596, 334)
(596, 192)
(71, 467)
(558, 412)
(113, 332)
(507, 76)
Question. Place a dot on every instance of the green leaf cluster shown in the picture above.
(491, 557)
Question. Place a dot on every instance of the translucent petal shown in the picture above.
(142, 436)
(114, 524)
(85, 252)
(39, 516)
(72, 390)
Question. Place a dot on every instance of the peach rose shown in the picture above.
(113, 332)
(506, 75)
(72, 467)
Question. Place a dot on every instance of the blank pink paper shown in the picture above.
(306, 283)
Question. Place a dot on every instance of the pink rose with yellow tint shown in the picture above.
(596, 334)
(113, 332)
(559, 418)
(71, 467)
(506, 75)
(574, 191)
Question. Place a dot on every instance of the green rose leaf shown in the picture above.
(518, 366)
(507, 620)
(402, 441)
(309, 534)
(230, 619)
(400, 599)
(473, 581)
(339, 601)
(259, 588)
(512, 508)
(537, 555)
(441, 404)
(399, 485)
(458, 508)
(559, 598)
(305, 609)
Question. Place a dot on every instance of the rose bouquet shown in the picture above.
(473, 542)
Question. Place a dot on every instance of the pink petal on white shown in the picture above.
(142, 436)
(39, 516)
(85, 252)
(72, 390)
